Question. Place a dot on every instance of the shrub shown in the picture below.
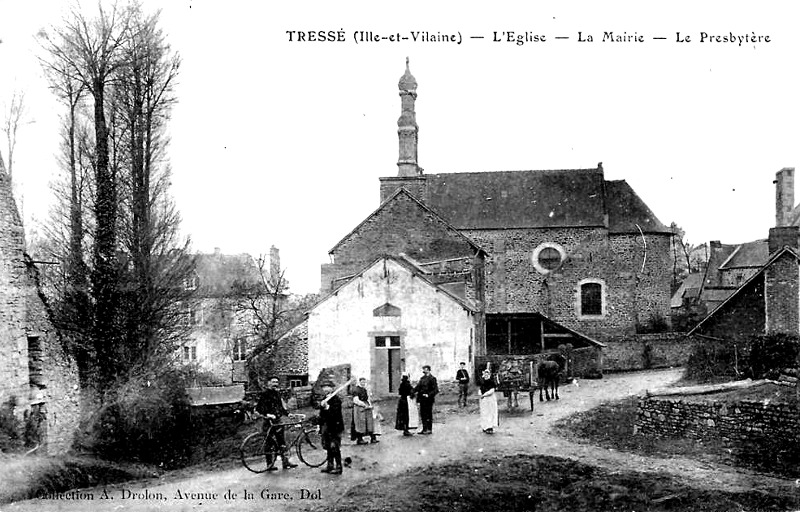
(144, 419)
(771, 353)
(10, 427)
(768, 453)
(712, 360)
(655, 324)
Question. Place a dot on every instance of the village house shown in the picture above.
(512, 248)
(754, 288)
(39, 392)
(221, 333)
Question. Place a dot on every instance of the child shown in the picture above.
(331, 428)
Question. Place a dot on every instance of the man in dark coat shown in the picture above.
(462, 377)
(331, 426)
(270, 405)
(426, 390)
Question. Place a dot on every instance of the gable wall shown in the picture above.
(435, 329)
(783, 294)
(23, 314)
(401, 226)
(741, 317)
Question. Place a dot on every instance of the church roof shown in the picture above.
(538, 199)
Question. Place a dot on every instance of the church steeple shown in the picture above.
(407, 129)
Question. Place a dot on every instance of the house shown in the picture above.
(389, 318)
(582, 251)
(758, 282)
(731, 265)
(221, 333)
(38, 379)
(287, 359)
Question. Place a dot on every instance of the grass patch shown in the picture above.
(610, 425)
(28, 477)
(542, 483)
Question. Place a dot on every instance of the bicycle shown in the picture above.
(259, 451)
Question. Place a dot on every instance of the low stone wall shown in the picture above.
(674, 416)
(644, 351)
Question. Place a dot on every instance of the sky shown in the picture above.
(276, 141)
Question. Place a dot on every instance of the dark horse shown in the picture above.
(548, 373)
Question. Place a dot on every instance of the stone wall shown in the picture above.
(632, 295)
(675, 417)
(643, 351)
(38, 380)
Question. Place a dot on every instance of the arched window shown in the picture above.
(591, 298)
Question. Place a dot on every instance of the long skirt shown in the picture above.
(363, 422)
(489, 417)
(407, 415)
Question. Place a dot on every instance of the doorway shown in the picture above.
(387, 363)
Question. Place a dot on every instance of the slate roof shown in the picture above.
(538, 199)
(689, 288)
(774, 257)
(217, 272)
(749, 254)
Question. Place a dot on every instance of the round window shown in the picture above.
(547, 257)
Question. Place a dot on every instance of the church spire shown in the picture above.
(407, 129)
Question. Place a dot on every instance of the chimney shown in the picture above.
(274, 263)
(782, 284)
(217, 251)
(715, 259)
(784, 195)
(780, 236)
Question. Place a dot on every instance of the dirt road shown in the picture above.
(456, 435)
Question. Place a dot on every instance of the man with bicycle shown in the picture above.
(270, 405)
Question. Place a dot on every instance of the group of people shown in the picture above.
(425, 393)
(422, 395)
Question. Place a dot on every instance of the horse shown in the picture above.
(548, 373)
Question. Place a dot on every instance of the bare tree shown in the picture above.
(15, 116)
(265, 307)
(115, 73)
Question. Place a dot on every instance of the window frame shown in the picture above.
(542, 247)
(580, 296)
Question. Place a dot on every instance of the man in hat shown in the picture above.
(270, 405)
(462, 377)
(331, 427)
(426, 390)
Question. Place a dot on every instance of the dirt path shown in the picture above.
(457, 435)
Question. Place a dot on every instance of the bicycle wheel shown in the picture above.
(310, 450)
(258, 452)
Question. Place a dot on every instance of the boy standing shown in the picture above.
(331, 428)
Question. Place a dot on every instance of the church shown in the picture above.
(533, 259)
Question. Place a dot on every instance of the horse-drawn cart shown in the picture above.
(515, 374)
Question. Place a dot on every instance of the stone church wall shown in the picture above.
(632, 296)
